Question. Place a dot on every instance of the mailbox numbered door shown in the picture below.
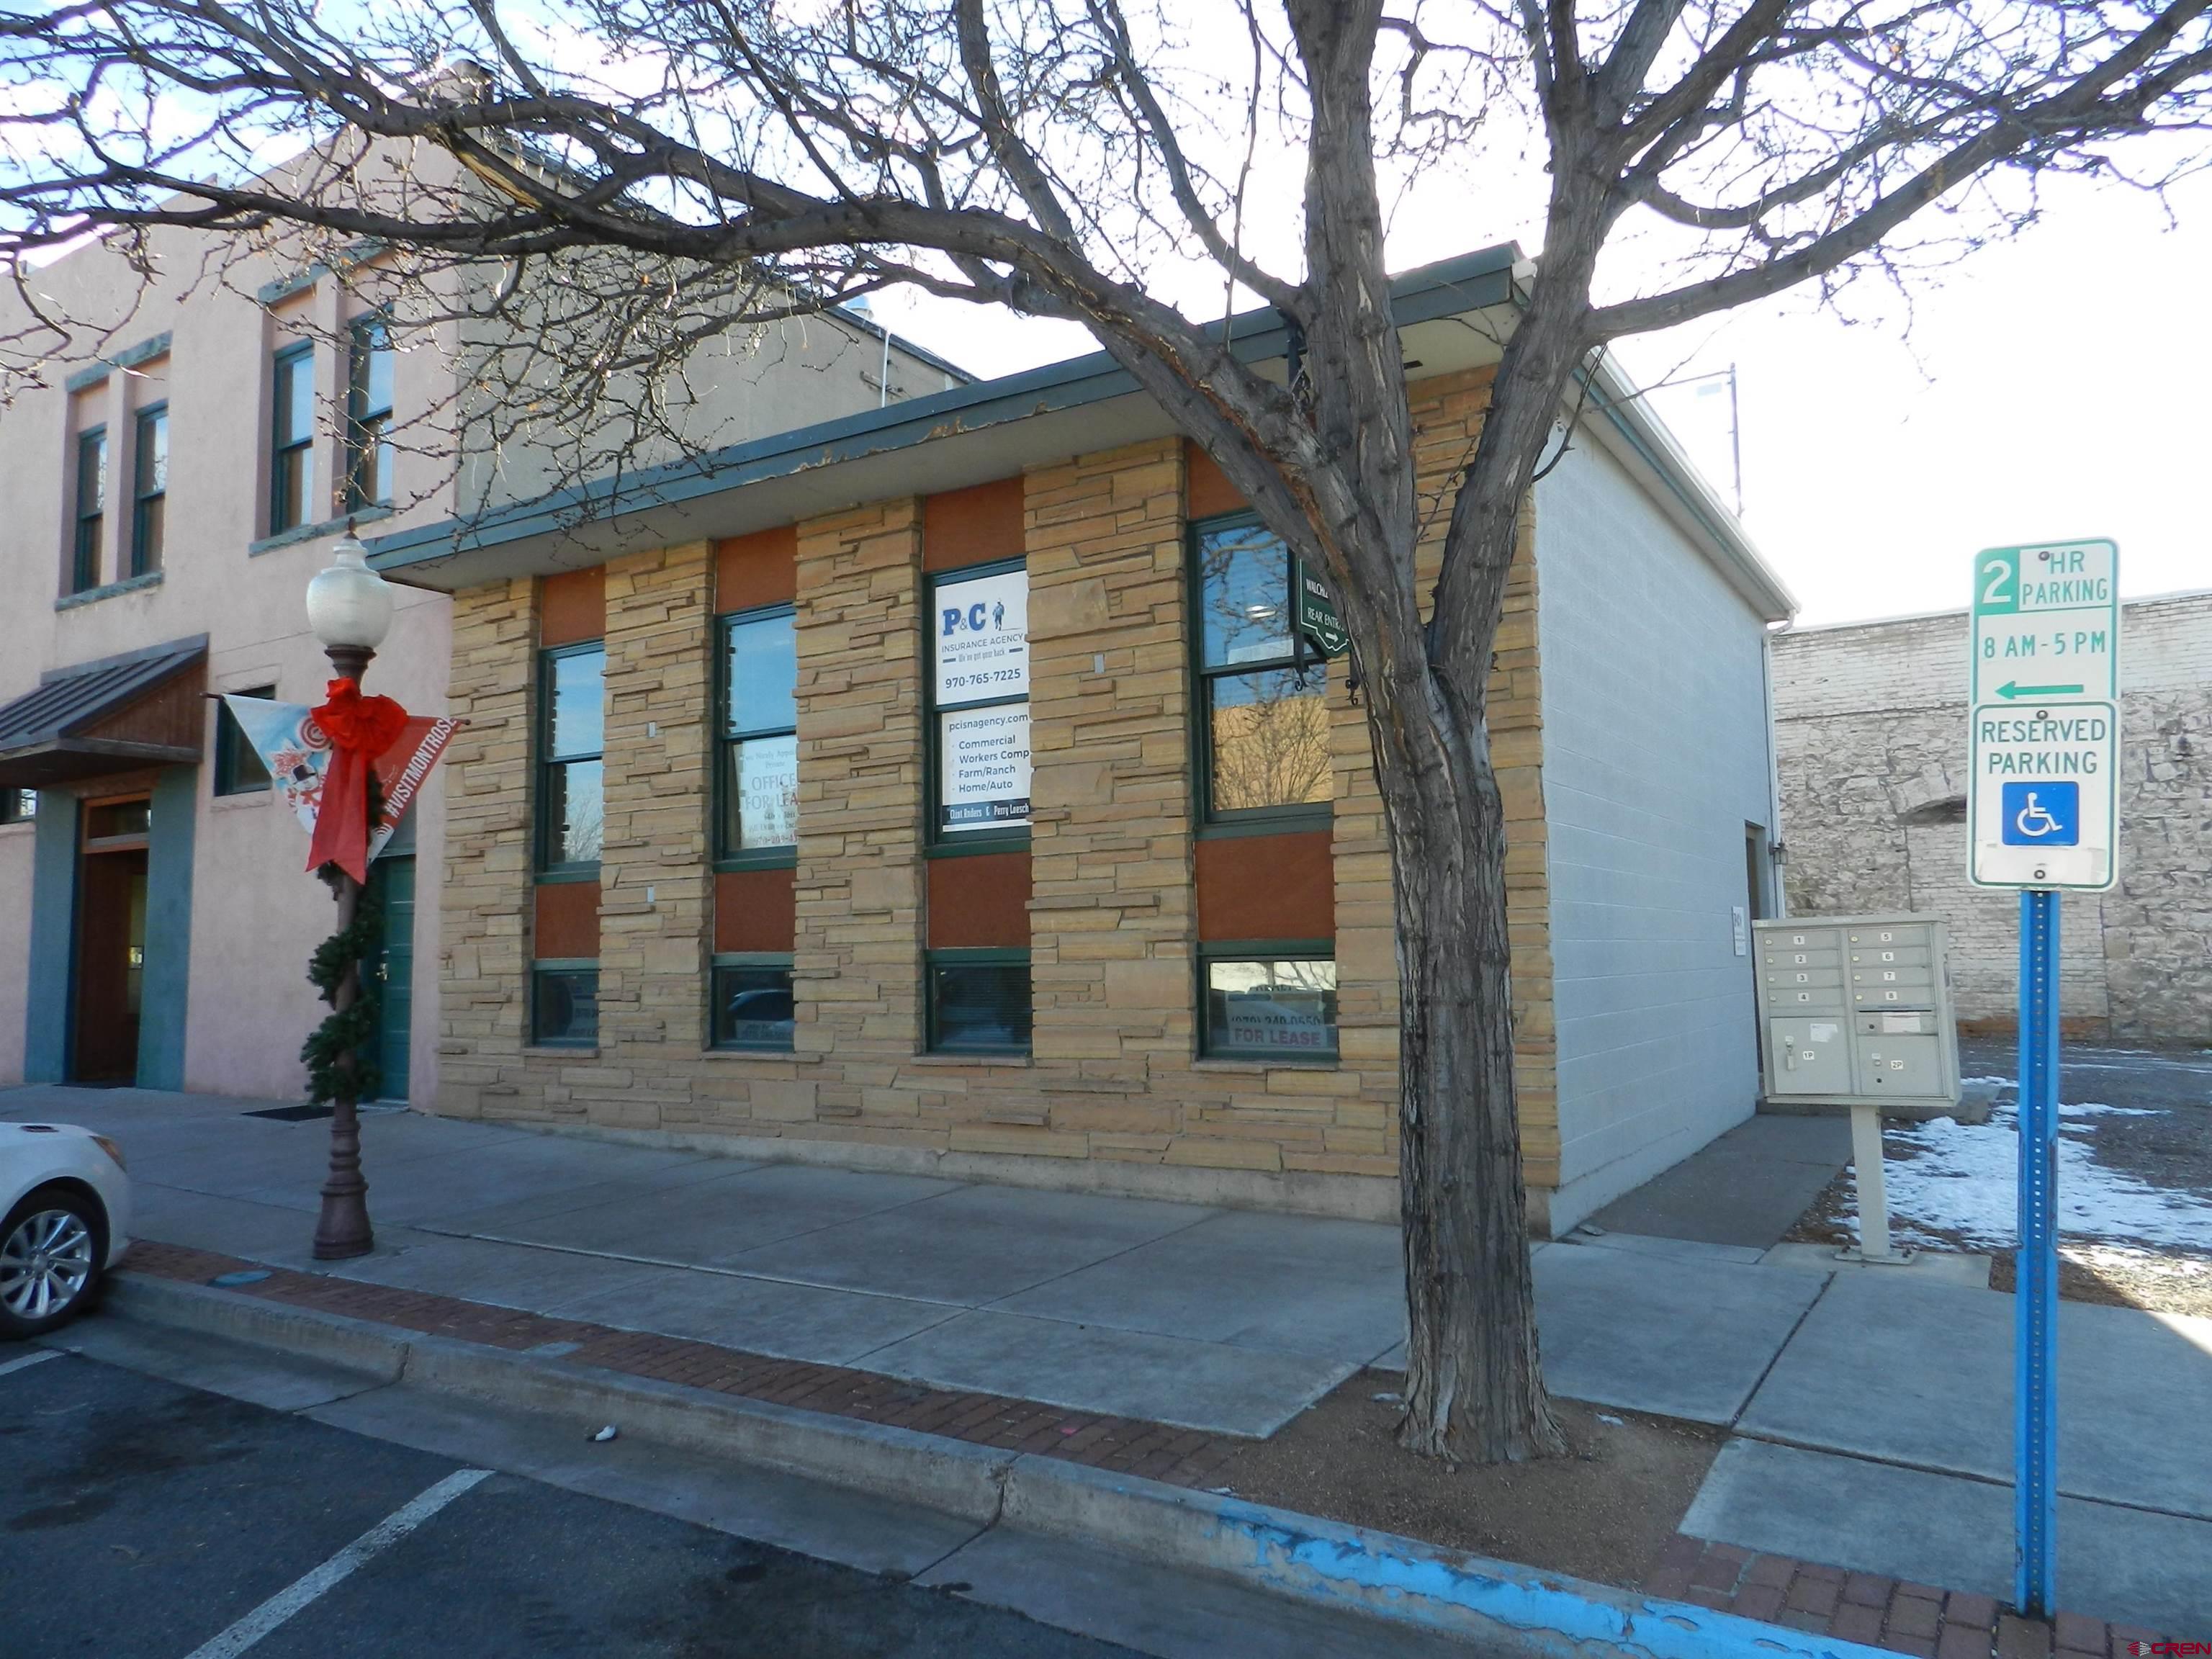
(1811, 1057)
(1899, 1054)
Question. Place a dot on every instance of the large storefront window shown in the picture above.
(759, 785)
(1263, 736)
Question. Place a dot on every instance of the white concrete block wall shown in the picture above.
(1871, 724)
(1656, 758)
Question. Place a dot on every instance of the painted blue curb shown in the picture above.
(1558, 1615)
(1502, 1606)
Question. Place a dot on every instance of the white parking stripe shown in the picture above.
(366, 1548)
(29, 1360)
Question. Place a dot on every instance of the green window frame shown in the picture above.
(940, 842)
(292, 438)
(751, 1007)
(150, 496)
(91, 514)
(371, 365)
(571, 771)
(757, 718)
(1232, 652)
(1290, 1037)
(564, 1003)
(238, 767)
(967, 975)
(18, 806)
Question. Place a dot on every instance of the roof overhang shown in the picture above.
(92, 720)
(1451, 316)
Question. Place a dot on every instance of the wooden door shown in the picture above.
(111, 956)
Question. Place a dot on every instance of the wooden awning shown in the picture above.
(118, 714)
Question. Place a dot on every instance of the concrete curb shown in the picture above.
(1322, 1563)
(379, 1352)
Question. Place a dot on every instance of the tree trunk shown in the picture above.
(1475, 1391)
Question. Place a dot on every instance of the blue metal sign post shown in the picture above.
(2035, 1291)
(2043, 816)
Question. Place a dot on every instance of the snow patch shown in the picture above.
(1962, 1181)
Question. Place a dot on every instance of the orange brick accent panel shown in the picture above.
(573, 606)
(1267, 887)
(567, 920)
(980, 902)
(1208, 491)
(755, 910)
(972, 526)
(751, 571)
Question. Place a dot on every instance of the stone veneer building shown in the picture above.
(1872, 724)
(800, 928)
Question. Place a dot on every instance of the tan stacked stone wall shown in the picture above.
(484, 958)
(1113, 1095)
(1447, 414)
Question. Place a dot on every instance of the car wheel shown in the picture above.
(50, 1247)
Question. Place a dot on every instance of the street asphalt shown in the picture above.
(143, 1520)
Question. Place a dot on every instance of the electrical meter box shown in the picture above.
(1855, 1011)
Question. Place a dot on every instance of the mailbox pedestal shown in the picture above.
(1855, 1011)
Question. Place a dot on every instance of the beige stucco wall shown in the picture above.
(256, 915)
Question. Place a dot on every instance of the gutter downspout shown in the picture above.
(1777, 845)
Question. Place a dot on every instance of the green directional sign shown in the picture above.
(1318, 618)
(2047, 621)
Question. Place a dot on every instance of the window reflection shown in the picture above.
(1269, 739)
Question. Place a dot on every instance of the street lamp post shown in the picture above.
(349, 608)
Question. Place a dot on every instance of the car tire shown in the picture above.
(53, 1247)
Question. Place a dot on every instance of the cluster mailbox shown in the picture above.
(1856, 1011)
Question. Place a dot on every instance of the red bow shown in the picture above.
(360, 729)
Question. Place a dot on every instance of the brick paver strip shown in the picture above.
(1919, 1619)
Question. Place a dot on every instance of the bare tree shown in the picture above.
(1076, 159)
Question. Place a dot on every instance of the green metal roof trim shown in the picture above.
(70, 699)
(1471, 282)
(130, 357)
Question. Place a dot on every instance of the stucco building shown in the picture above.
(171, 485)
(972, 801)
(1871, 723)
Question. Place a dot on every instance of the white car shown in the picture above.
(66, 1205)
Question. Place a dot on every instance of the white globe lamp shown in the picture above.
(348, 605)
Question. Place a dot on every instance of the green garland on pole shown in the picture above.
(341, 1034)
(349, 1032)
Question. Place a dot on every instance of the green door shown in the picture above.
(391, 884)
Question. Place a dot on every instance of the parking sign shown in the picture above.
(2044, 737)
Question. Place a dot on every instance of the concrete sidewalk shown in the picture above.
(1871, 1418)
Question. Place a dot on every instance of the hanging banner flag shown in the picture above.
(296, 750)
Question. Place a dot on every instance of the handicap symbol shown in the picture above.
(2042, 814)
